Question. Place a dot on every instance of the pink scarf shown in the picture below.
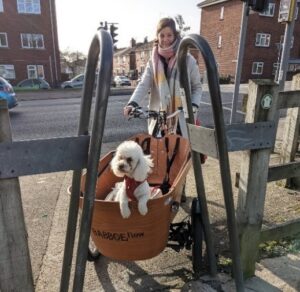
(169, 97)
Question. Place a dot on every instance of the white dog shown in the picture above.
(131, 163)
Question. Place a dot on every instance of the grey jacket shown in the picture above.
(148, 84)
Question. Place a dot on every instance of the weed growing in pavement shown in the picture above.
(278, 248)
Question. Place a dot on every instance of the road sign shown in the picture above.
(266, 101)
(286, 10)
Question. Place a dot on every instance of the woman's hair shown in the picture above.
(167, 22)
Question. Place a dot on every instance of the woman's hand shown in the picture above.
(127, 110)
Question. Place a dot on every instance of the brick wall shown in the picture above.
(14, 24)
(229, 28)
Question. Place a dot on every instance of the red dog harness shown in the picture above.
(131, 185)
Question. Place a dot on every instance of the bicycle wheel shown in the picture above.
(197, 235)
(93, 252)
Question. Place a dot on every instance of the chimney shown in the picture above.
(132, 42)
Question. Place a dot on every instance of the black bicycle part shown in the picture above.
(93, 253)
(180, 235)
(197, 235)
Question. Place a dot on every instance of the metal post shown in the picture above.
(198, 42)
(243, 31)
(102, 44)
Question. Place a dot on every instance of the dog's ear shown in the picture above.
(114, 167)
(143, 168)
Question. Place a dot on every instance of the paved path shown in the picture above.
(46, 218)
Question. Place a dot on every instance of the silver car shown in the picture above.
(76, 82)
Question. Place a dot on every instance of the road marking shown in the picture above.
(224, 107)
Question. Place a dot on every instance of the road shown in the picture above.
(60, 117)
(46, 118)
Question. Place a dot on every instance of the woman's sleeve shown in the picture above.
(195, 80)
(142, 89)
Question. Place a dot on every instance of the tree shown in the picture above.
(181, 25)
(73, 61)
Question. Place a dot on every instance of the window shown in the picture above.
(262, 40)
(3, 40)
(270, 11)
(7, 71)
(275, 68)
(257, 68)
(32, 41)
(1, 6)
(222, 13)
(35, 71)
(219, 45)
(29, 6)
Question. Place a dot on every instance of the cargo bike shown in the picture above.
(142, 237)
(155, 227)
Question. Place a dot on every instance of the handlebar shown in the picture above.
(140, 113)
(162, 125)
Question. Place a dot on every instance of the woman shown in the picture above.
(161, 75)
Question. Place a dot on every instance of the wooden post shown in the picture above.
(291, 135)
(254, 175)
(15, 266)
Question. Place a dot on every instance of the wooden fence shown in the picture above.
(263, 103)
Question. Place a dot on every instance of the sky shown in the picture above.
(77, 21)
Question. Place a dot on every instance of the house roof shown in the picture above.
(210, 3)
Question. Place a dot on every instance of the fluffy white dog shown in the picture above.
(131, 163)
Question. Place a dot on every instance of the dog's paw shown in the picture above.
(125, 212)
(143, 209)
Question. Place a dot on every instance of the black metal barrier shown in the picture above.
(71, 153)
(201, 44)
(101, 50)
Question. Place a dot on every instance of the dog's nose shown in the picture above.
(121, 166)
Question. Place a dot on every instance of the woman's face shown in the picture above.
(166, 37)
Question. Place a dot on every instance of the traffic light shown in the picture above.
(112, 29)
(257, 5)
(103, 25)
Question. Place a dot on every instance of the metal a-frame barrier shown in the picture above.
(59, 154)
(197, 139)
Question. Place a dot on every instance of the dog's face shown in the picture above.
(130, 160)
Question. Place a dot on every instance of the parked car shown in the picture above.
(34, 84)
(122, 81)
(76, 82)
(7, 92)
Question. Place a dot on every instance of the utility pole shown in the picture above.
(258, 6)
(287, 15)
(240, 57)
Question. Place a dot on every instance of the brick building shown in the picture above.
(132, 61)
(220, 25)
(28, 41)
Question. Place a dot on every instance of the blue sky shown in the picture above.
(78, 20)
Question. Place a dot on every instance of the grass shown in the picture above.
(278, 248)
